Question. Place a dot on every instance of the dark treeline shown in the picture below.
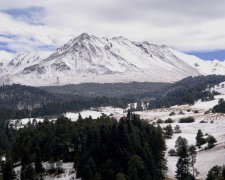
(137, 89)
(18, 96)
(36, 102)
(59, 108)
(78, 105)
(21, 97)
(187, 91)
(100, 149)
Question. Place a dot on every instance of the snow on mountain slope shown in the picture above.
(204, 67)
(4, 58)
(87, 58)
(22, 60)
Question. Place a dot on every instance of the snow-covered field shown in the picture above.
(214, 125)
(93, 112)
(205, 159)
(208, 104)
(69, 173)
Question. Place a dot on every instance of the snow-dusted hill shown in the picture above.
(87, 58)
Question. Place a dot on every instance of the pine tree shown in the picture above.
(179, 144)
(79, 117)
(8, 172)
(25, 159)
(38, 164)
(223, 171)
(177, 129)
(215, 173)
(211, 141)
(168, 131)
(183, 163)
(136, 168)
(200, 139)
(28, 173)
(184, 159)
(193, 154)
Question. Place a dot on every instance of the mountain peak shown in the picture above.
(83, 36)
(121, 38)
(87, 58)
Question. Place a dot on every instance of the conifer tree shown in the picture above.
(199, 139)
(8, 172)
(223, 171)
(184, 160)
(211, 141)
(79, 117)
(168, 131)
(28, 173)
(193, 154)
(216, 173)
(38, 164)
(177, 129)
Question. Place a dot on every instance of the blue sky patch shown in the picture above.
(4, 47)
(32, 15)
(210, 55)
(10, 36)
(47, 47)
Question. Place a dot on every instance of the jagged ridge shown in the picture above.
(88, 58)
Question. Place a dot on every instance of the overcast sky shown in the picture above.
(187, 25)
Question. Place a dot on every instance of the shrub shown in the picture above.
(172, 152)
(177, 129)
(187, 120)
(168, 131)
(202, 121)
(172, 113)
(169, 120)
(196, 111)
(159, 121)
(211, 140)
(181, 113)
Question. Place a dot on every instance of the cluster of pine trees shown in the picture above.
(216, 173)
(187, 91)
(100, 149)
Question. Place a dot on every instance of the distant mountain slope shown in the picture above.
(24, 97)
(187, 91)
(91, 59)
(138, 89)
(203, 67)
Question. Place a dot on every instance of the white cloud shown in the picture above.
(5, 56)
(185, 25)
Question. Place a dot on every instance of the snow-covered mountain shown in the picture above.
(87, 58)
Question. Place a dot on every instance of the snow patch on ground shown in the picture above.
(93, 112)
(208, 104)
(69, 173)
(205, 159)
